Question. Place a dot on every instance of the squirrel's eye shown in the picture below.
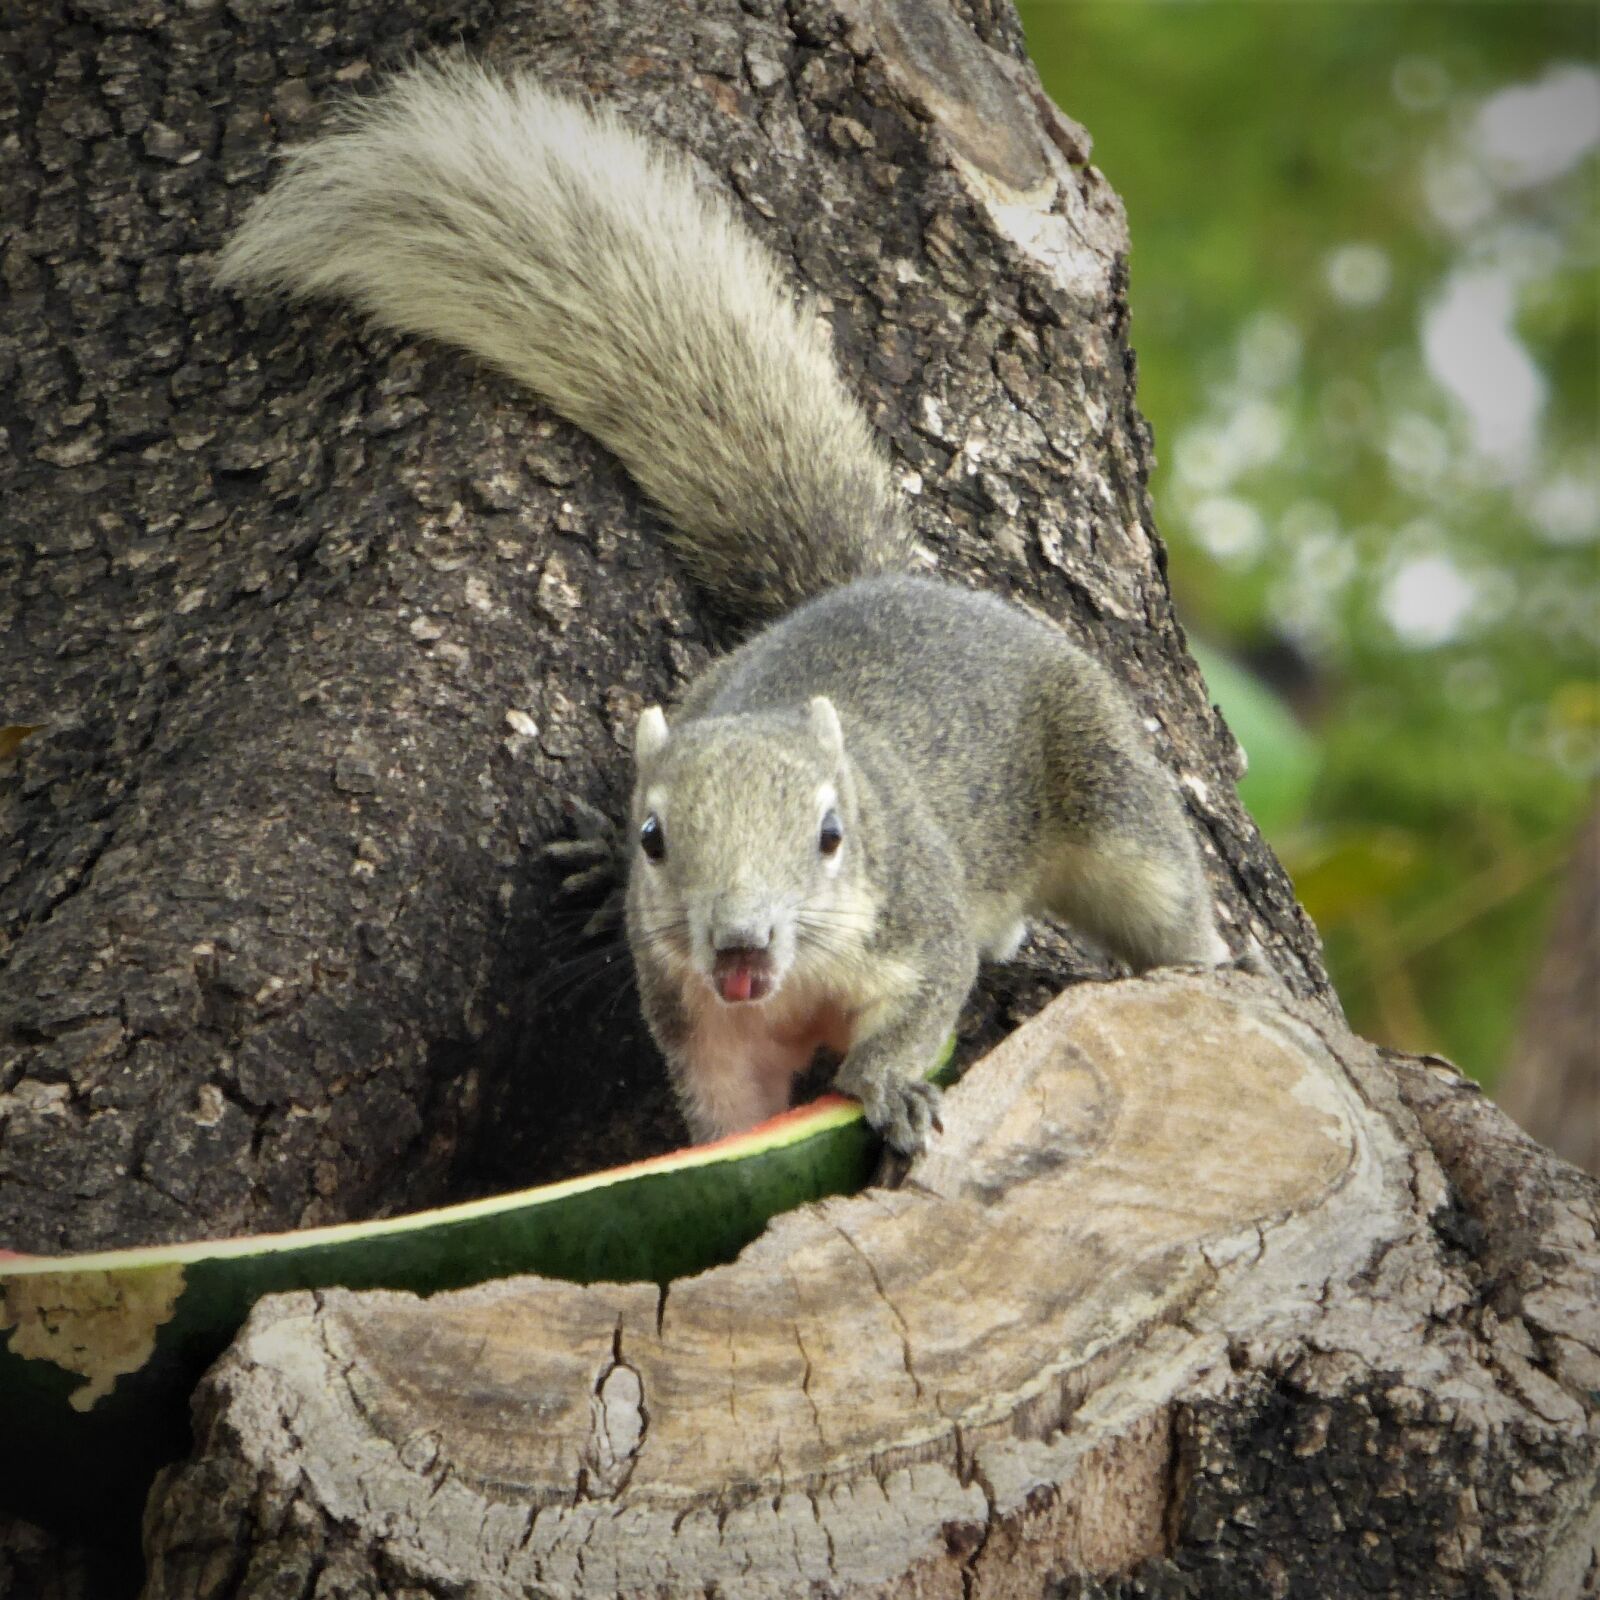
(653, 837)
(831, 834)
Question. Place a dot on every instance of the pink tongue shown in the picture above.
(736, 983)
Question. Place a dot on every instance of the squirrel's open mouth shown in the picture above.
(739, 975)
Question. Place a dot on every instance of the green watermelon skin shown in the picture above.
(654, 1221)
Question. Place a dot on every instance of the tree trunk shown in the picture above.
(325, 631)
(1552, 1085)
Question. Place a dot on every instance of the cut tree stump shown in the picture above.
(1176, 1297)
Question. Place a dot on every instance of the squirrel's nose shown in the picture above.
(741, 929)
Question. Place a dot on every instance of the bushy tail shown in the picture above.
(582, 259)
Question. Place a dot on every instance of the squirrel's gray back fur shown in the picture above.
(586, 262)
(1010, 751)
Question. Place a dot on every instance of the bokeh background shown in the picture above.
(1364, 289)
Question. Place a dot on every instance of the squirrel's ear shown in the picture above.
(825, 724)
(651, 733)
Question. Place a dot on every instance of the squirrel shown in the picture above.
(880, 785)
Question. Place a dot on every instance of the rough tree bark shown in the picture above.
(323, 629)
(1200, 1296)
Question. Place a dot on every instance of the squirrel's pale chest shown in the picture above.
(740, 1061)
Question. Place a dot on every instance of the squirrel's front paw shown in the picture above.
(904, 1113)
(594, 866)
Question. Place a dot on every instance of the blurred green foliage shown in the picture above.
(1364, 251)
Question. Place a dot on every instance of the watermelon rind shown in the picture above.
(100, 1352)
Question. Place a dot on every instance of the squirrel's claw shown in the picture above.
(580, 850)
(592, 866)
(587, 880)
(589, 822)
(595, 836)
(905, 1114)
(605, 918)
